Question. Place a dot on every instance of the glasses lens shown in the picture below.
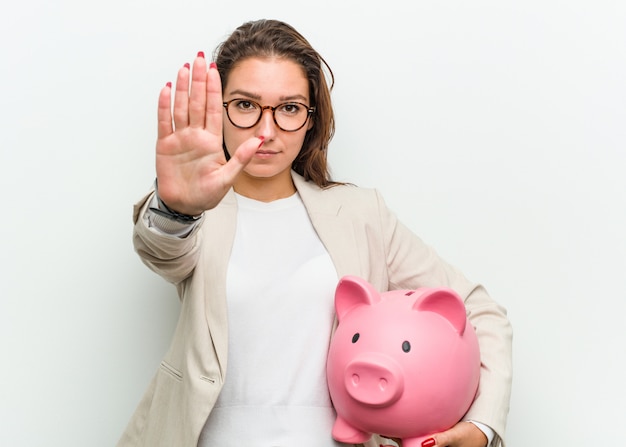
(243, 113)
(289, 116)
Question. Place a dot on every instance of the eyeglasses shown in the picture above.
(288, 116)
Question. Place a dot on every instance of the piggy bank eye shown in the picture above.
(355, 337)
(406, 346)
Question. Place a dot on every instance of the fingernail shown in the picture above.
(200, 53)
(187, 65)
(168, 85)
(213, 65)
(262, 138)
(430, 442)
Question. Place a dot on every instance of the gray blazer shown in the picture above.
(362, 237)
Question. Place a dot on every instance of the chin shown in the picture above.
(266, 172)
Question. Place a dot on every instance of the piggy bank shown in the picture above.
(403, 364)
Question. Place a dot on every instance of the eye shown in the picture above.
(290, 108)
(406, 346)
(355, 337)
(246, 106)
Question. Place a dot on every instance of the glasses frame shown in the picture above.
(310, 111)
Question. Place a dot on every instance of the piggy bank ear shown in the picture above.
(445, 302)
(351, 292)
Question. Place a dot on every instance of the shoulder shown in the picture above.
(341, 199)
(337, 191)
(352, 196)
(333, 190)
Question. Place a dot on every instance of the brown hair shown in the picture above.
(266, 38)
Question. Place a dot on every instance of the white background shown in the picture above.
(496, 130)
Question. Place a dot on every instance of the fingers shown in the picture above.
(463, 434)
(197, 98)
(214, 101)
(164, 114)
(240, 159)
(197, 95)
(189, 103)
(181, 98)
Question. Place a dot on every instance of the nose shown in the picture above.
(267, 126)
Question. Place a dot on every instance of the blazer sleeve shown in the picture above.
(172, 257)
(411, 264)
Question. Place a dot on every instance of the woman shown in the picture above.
(248, 225)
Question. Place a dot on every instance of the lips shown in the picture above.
(266, 152)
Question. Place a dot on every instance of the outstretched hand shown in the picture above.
(192, 171)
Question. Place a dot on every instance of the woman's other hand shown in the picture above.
(463, 434)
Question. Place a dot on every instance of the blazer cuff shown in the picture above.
(157, 220)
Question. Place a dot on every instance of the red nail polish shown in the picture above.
(168, 85)
(213, 65)
(262, 138)
(430, 442)
(187, 65)
(200, 53)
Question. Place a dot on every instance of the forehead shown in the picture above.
(267, 78)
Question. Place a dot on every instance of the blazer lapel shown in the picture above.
(333, 228)
(219, 233)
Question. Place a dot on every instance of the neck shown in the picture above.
(265, 189)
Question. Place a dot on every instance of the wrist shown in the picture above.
(487, 431)
(164, 210)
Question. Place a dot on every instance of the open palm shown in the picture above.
(192, 171)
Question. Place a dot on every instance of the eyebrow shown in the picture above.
(257, 97)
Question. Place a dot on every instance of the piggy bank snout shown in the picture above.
(374, 380)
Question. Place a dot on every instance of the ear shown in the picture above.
(351, 292)
(445, 302)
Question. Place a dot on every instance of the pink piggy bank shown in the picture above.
(403, 364)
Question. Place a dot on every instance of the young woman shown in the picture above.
(246, 222)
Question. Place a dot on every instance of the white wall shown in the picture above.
(495, 130)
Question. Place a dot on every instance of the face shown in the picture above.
(269, 82)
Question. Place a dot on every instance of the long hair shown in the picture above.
(266, 38)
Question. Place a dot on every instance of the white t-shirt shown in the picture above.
(280, 288)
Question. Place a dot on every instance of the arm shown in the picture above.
(192, 172)
(169, 255)
(411, 264)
